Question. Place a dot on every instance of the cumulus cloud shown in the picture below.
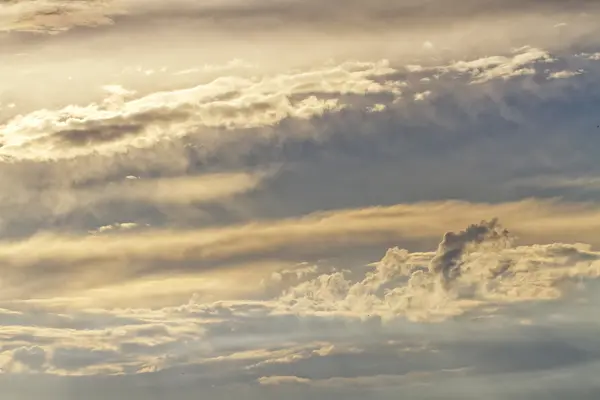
(477, 266)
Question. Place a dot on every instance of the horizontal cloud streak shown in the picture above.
(96, 260)
(57, 15)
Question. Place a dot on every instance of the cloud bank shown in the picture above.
(305, 321)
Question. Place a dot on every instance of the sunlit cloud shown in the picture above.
(292, 199)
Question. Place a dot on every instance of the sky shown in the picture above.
(350, 199)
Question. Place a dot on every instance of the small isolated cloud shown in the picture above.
(377, 108)
(422, 95)
(114, 227)
(279, 380)
(564, 74)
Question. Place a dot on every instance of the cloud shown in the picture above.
(592, 56)
(375, 381)
(324, 319)
(564, 74)
(478, 267)
(191, 189)
(61, 200)
(422, 95)
(339, 15)
(227, 102)
(47, 153)
(294, 354)
(173, 220)
(117, 226)
(46, 265)
(451, 249)
(278, 380)
(501, 67)
(25, 360)
(55, 16)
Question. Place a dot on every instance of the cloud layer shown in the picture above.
(305, 321)
(182, 212)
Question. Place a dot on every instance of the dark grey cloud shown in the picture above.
(108, 133)
(33, 358)
(75, 358)
(446, 262)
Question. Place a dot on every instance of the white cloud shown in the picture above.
(422, 95)
(112, 227)
(502, 67)
(278, 380)
(375, 381)
(593, 56)
(564, 74)
(227, 102)
(470, 270)
(377, 108)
